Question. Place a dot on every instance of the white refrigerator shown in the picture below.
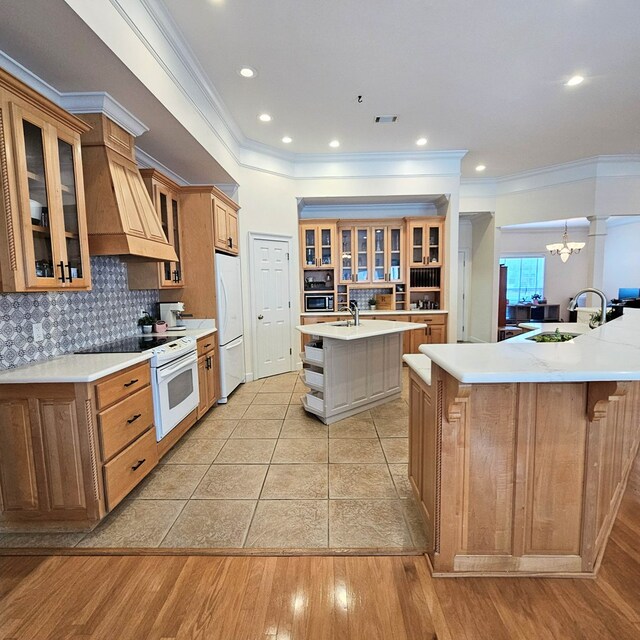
(230, 328)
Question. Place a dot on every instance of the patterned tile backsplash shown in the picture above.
(71, 321)
(362, 296)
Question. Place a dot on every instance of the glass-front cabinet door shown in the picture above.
(378, 255)
(168, 208)
(325, 250)
(394, 268)
(49, 173)
(309, 235)
(363, 269)
(425, 243)
(75, 233)
(346, 255)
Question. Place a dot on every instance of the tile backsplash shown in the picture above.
(71, 321)
(362, 296)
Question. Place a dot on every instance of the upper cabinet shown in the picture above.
(318, 245)
(42, 210)
(122, 219)
(371, 253)
(168, 274)
(225, 214)
(425, 243)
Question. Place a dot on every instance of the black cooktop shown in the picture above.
(135, 344)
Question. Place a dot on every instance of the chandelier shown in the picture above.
(564, 249)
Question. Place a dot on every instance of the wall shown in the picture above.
(71, 321)
(561, 279)
(622, 257)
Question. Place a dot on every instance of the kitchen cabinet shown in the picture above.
(425, 242)
(168, 274)
(225, 214)
(434, 333)
(355, 254)
(318, 245)
(69, 453)
(42, 209)
(386, 254)
(208, 376)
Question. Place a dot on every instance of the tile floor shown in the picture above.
(260, 473)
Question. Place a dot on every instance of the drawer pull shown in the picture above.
(139, 464)
(128, 384)
(132, 420)
(207, 345)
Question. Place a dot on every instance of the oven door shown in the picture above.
(175, 392)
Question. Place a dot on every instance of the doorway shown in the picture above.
(271, 304)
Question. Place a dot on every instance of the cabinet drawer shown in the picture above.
(122, 385)
(206, 344)
(125, 421)
(436, 319)
(128, 468)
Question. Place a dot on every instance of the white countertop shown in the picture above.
(366, 329)
(86, 367)
(610, 352)
(367, 312)
(419, 363)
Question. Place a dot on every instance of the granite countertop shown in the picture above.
(366, 329)
(87, 367)
(610, 352)
(382, 312)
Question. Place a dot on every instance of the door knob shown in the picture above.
(260, 317)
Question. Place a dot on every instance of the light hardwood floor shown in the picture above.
(294, 598)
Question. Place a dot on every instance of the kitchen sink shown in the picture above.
(553, 336)
(342, 323)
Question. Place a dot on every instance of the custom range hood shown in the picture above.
(121, 218)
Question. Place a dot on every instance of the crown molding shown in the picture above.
(102, 102)
(146, 161)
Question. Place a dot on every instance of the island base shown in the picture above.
(520, 479)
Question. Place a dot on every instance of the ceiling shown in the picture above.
(484, 76)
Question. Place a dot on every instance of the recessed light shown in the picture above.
(287, 139)
(421, 142)
(334, 143)
(480, 167)
(574, 81)
(264, 117)
(247, 72)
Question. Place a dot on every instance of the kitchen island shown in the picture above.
(519, 452)
(351, 368)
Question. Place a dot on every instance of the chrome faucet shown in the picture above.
(603, 300)
(354, 311)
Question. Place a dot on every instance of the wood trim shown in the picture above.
(4, 176)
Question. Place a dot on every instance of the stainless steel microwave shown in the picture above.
(318, 302)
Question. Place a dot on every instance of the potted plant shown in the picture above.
(145, 322)
(535, 298)
(372, 304)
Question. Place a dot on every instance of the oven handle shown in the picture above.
(184, 363)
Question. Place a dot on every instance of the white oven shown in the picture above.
(174, 382)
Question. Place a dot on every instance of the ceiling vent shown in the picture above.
(386, 119)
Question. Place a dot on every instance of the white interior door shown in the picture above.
(271, 300)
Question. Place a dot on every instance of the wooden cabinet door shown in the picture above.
(433, 235)
(378, 257)
(395, 254)
(418, 336)
(417, 243)
(361, 254)
(346, 253)
(62, 452)
(438, 334)
(232, 231)
(220, 220)
(428, 461)
(18, 479)
(203, 390)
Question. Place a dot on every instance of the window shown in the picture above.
(525, 277)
